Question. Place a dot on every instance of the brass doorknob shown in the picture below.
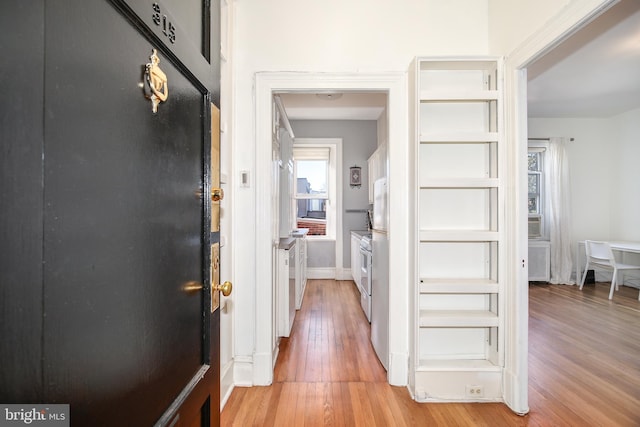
(193, 286)
(225, 288)
(217, 194)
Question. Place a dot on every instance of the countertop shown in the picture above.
(286, 243)
(300, 232)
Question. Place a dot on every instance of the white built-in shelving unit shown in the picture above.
(458, 330)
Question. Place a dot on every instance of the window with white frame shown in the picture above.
(314, 188)
(536, 191)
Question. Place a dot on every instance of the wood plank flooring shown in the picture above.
(584, 368)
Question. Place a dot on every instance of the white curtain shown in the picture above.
(559, 192)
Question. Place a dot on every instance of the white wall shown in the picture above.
(605, 174)
(512, 22)
(625, 223)
(332, 35)
(355, 35)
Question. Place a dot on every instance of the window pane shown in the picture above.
(311, 208)
(534, 161)
(534, 183)
(533, 205)
(312, 214)
(312, 176)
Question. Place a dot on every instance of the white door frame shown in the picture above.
(401, 254)
(572, 18)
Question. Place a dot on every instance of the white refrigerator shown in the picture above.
(380, 273)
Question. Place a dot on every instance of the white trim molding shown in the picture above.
(401, 253)
(227, 383)
(574, 16)
(344, 274)
(242, 371)
(321, 273)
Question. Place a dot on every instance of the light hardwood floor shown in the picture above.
(584, 368)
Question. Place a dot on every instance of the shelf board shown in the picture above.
(458, 236)
(457, 319)
(458, 95)
(449, 137)
(426, 365)
(460, 183)
(458, 286)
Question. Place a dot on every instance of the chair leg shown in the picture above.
(584, 276)
(613, 284)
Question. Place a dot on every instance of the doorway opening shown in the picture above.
(392, 85)
(573, 94)
(563, 26)
(321, 197)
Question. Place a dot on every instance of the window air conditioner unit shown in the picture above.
(535, 226)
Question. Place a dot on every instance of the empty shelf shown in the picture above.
(458, 319)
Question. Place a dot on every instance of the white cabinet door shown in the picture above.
(286, 290)
(377, 165)
(301, 270)
(371, 165)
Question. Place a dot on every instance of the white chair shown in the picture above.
(599, 254)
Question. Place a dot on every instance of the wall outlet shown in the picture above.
(474, 390)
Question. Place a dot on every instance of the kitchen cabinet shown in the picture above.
(458, 340)
(301, 266)
(377, 166)
(286, 285)
(286, 184)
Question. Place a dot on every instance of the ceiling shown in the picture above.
(334, 106)
(594, 73)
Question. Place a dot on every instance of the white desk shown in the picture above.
(624, 247)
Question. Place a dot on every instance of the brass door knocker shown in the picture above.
(156, 80)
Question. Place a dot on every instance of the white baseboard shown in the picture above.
(343, 274)
(514, 397)
(398, 373)
(243, 371)
(262, 369)
(329, 273)
(226, 383)
(321, 273)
